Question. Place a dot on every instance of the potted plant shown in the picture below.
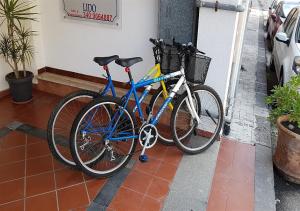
(285, 101)
(15, 46)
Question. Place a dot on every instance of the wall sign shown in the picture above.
(103, 11)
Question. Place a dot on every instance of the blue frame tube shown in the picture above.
(138, 100)
(133, 89)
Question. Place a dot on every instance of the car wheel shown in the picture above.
(268, 35)
(272, 65)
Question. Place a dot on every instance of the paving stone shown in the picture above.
(262, 131)
(264, 179)
(191, 186)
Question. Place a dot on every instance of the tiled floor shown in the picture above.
(233, 183)
(148, 184)
(31, 179)
(35, 113)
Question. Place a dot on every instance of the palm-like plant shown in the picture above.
(15, 45)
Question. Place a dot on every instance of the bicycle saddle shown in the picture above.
(105, 60)
(128, 62)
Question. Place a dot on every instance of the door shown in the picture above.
(176, 20)
(282, 50)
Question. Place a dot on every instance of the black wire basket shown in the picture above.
(196, 68)
(170, 61)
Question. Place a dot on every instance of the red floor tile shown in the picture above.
(40, 184)
(220, 200)
(157, 152)
(126, 200)
(13, 206)
(241, 196)
(67, 177)
(138, 181)
(72, 197)
(233, 182)
(38, 150)
(94, 187)
(39, 165)
(11, 191)
(158, 189)
(150, 167)
(149, 204)
(42, 202)
(33, 140)
(11, 140)
(12, 155)
(58, 165)
(12, 171)
(173, 156)
(166, 171)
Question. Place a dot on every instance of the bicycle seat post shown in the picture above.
(105, 67)
(127, 70)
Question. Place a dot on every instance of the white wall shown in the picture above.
(4, 69)
(216, 36)
(72, 44)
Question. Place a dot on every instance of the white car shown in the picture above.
(286, 52)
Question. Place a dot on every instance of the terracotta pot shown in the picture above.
(287, 154)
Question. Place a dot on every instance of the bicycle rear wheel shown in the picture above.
(91, 151)
(60, 123)
(189, 136)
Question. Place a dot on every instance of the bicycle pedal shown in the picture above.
(143, 158)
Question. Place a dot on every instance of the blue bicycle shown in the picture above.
(104, 132)
(64, 113)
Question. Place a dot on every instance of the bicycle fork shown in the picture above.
(190, 105)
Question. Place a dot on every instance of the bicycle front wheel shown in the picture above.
(91, 150)
(163, 126)
(190, 137)
(60, 123)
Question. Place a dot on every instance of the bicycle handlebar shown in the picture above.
(183, 48)
(187, 48)
(154, 41)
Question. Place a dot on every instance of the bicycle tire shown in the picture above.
(52, 142)
(179, 142)
(86, 168)
(154, 99)
(168, 141)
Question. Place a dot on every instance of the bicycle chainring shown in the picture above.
(148, 131)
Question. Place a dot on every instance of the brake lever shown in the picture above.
(200, 52)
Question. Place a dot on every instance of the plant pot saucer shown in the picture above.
(23, 102)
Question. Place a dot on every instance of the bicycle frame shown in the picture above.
(148, 83)
(154, 70)
(108, 86)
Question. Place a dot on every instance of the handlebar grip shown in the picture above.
(154, 41)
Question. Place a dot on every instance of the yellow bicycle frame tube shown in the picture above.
(156, 75)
